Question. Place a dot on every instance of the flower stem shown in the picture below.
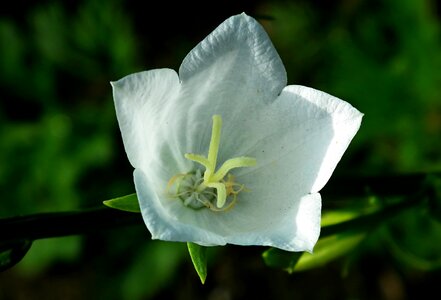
(48, 225)
(57, 224)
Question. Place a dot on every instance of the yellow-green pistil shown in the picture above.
(199, 190)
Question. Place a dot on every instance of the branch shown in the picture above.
(48, 225)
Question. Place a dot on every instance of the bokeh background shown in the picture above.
(60, 147)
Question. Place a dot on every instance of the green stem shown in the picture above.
(48, 225)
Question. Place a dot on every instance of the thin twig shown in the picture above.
(48, 225)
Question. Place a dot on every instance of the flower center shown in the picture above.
(197, 191)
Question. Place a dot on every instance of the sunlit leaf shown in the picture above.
(329, 248)
(326, 250)
(198, 256)
(412, 238)
(126, 203)
(337, 216)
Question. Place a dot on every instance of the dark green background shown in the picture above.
(60, 147)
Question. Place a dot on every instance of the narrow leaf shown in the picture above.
(11, 254)
(198, 256)
(328, 249)
(127, 203)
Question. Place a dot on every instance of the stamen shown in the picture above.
(221, 192)
(172, 181)
(214, 144)
(199, 159)
(232, 163)
(200, 190)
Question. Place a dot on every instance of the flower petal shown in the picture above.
(297, 141)
(230, 72)
(297, 136)
(297, 229)
(164, 225)
(346, 121)
(236, 53)
(299, 232)
(142, 101)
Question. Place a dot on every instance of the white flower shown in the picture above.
(226, 152)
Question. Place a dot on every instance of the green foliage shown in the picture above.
(13, 253)
(44, 252)
(413, 239)
(328, 249)
(57, 137)
(198, 256)
(60, 147)
(384, 58)
(155, 267)
(280, 259)
(127, 203)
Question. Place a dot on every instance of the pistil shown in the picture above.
(215, 179)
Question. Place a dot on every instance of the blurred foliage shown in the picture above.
(328, 249)
(384, 58)
(60, 147)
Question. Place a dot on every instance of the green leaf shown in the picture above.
(411, 237)
(328, 249)
(127, 203)
(11, 254)
(281, 259)
(337, 216)
(198, 256)
(159, 258)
